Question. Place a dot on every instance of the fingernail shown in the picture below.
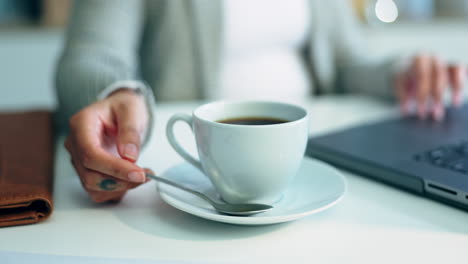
(136, 176)
(438, 112)
(131, 151)
(462, 76)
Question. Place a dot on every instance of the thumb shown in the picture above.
(131, 118)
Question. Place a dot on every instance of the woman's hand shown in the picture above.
(424, 82)
(104, 143)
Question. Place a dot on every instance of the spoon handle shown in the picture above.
(166, 181)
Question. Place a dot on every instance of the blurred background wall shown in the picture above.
(31, 34)
(407, 26)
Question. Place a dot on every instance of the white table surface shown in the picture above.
(374, 223)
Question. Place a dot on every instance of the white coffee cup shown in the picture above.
(246, 163)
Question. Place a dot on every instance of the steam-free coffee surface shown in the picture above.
(252, 121)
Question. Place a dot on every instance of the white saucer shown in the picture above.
(317, 186)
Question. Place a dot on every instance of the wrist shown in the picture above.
(125, 91)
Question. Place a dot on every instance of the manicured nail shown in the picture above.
(131, 151)
(136, 176)
(438, 112)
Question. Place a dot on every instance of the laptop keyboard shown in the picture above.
(453, 157)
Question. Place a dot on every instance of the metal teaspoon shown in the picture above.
(224, 208)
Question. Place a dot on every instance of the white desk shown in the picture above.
(374, 223)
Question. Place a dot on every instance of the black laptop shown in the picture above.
(422, 156)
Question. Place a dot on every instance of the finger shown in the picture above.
(102, 197)
(457, 76)
(92, 156)
(131, 117)
(98, 182)
(438, 84)
(421, 68)
(101, 161)
(99, 196)
(402, 92)
(106, 195)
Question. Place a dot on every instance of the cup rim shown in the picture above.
(196, 114)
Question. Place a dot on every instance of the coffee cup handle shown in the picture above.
(172, 140)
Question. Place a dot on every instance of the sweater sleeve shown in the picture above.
(101, 49)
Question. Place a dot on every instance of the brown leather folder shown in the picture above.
(26, 167)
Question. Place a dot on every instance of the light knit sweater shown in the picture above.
(174, 47)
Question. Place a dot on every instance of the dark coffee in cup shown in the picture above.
(252, 121)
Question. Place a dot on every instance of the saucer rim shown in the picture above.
(327, 203)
